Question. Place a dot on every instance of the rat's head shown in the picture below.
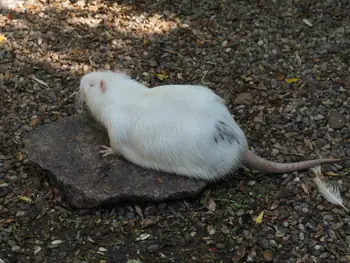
(101, 89)
(93, 88)
(96, 90)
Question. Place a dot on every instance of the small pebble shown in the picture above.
(285, 224)
(264, 243)
(247, 234)
(336, 120)
(272, 243)
(153, 248)
(16, 248)
(240, 212)
(3, 192)
(220, 246)
(317, 247)
(347, 240)
(20, 213)
(305, 210)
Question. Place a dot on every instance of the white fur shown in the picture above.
(169, 128)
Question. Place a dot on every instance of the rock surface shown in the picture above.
(69, 150)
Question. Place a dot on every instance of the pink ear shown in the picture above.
(103, 86)
(116, 70)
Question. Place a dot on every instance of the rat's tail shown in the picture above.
(254, 161)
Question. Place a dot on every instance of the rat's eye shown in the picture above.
(91, 84)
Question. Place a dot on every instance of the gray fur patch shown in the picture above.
(224, 133)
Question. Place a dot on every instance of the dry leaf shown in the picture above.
(146, 41)
(32, 7)
(10, 16)
(260, 217)
(56, 242)
(8, 74)
(306, 21)
(230, 211)
(37, 249)
(40, 81)
(211, 205)
(330, 173)
(247, 78)
(292, 80)
(162, 76)
(305, 189)
(308, 144)
(211, 230)
(35, 121)
(268, 256)
(199, 42)
(6, 221)
(274, 205)
(59, 100)
(77, 52)
(90, 240)
(147, 222)
(102, 249)
(143, 237)
(240, 253)
(25, 198)
(159, 179)
(139, 211)
(280, 76)
(20, 156)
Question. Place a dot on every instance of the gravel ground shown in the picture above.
(283, 68)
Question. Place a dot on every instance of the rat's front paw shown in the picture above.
(107, 151)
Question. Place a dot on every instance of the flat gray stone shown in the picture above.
(69, 150)
(336, 120)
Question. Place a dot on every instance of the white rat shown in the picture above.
(180, 129)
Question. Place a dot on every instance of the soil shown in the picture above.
(282, 67)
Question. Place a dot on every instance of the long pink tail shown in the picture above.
(254, 161)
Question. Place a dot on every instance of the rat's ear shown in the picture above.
(103, 86)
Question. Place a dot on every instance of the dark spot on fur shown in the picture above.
(225, 133)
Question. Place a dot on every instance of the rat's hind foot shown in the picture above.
(107, 151)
